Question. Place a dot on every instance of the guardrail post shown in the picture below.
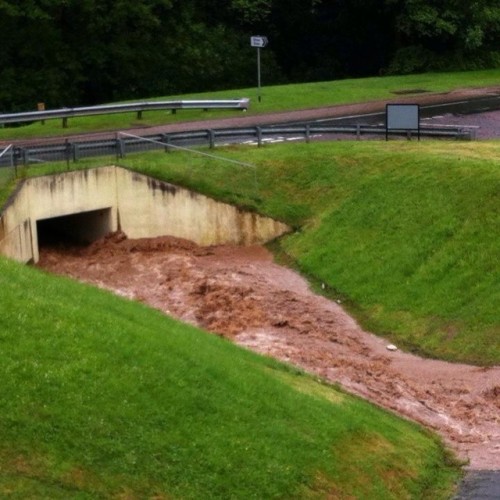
(26, 156)
(65, 122)
(211, 138)
(166, 140)
(308, 133)
(258, 131)
(67, 152)
(358, 131)
(139, 114)
(120, 148)
(76, 152)
(464, 134)
(16, 153)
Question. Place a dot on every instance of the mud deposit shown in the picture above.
(241, 294)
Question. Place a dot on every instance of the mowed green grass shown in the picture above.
(274, 98)
(7, 182)
(404, 233)
(105, 398)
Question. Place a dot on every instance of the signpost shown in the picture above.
(259, 42)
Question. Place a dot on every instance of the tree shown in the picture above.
(32, 56)
(70, 52)
(446, 34)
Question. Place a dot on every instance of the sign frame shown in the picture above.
(258, 41)
(402, 117)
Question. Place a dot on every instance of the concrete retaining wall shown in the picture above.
(138, 205)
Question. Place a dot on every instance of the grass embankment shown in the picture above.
(275, 98)
(405, 233)
(7, 181)
(105, 398)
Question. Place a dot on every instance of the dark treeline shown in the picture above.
(73, 52)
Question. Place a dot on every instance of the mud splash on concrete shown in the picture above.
(240, 293)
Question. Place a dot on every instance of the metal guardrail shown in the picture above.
(121, 145)
(138, 107)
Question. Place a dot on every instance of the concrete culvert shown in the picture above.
(75, 229)
(85, 205)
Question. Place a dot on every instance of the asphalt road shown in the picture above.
(432, 104)
(480, 485)
(483, 114)
(463, 107)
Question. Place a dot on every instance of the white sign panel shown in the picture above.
(258, 41)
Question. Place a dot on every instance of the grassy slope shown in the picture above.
(7, 181)
(405, 232)
(89, 408)
(275, 98)
(103, 397)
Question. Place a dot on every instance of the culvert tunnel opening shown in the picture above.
(78, 229)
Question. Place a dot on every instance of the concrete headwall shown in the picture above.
(138, 205)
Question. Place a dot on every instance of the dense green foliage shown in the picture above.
(406, 233)
(439, 34)
(77, 52)
(105, 398)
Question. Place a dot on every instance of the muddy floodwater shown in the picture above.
(240, 293)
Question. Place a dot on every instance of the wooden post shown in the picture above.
(41, 107)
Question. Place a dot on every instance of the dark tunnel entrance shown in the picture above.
(75, 229)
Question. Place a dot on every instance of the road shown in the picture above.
(461, 107)
(476, 110)
(476, 100)
(483, 114)
(480, 485)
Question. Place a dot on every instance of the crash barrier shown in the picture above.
(122, 144)
(137, 107)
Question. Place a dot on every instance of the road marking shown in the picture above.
(445, 104)
(348, 117)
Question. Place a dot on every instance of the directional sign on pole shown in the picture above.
(258, 41)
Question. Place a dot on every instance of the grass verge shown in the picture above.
(106, 398)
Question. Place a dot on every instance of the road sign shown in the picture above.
(402, 117)
(258, 41)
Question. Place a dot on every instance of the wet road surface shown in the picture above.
(480, 485)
